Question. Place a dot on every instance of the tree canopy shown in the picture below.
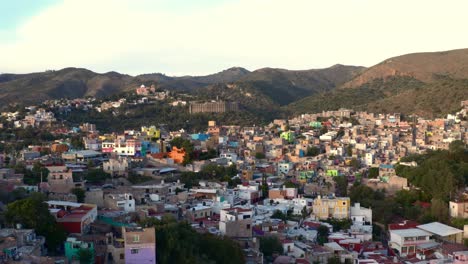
(33, 212)
(177, 242)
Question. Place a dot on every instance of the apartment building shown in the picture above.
(331, 207)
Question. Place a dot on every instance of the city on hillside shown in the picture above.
(339, 186)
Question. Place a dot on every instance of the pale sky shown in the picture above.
(195, 37)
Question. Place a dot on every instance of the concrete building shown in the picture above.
(124, 202)
(76, 218)
(73, 246)
(60, 179)
(213, 107)
(362, 221)
(282, 193)
(198, 212)
(458, 209)
(410, 241)
(443, 232)
(116, 167)
(140, 245)
(236, 222)
(335, 207)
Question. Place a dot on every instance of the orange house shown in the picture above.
(177, 154)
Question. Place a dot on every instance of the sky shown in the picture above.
(196, 37)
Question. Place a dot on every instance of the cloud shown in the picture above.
(137, 36)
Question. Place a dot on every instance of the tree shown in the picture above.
(373, 173)
(277, 214)
(33, 213)
(259, 155)
(354, 163)
(187, 145)
(334, 260)
(349, 150)
(322, 234)
(265, 187)
(76, 142)
(439, 209)
(97, 176)
(85, 256)
(79, 193)
(312, 151)
(304, 212)
(270, 245)
(341, 183)
(178, 242)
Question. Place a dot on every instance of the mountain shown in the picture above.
(68, 82)
(77, 82)
(189, 83)
(429, 84)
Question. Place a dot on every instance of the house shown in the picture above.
(458, 208)
(140, 245)
(20, 243)
(60, 179)
(236, 222)
(177, 154)
(116, 167)
(410, 241)
(124, 202)
(443, 232)
(335, 207)
(73, 247)
(362, 221)
(198, 212)
(76, 218)
(282, 193)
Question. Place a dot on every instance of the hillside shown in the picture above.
(68, 82)
(76, 82)
(428, 84)
(277, 87)
(424, 67)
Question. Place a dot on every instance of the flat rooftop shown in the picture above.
(440, 229)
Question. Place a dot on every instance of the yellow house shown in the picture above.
(336, 207)
(151, 132)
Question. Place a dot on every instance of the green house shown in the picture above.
(288, 136)
(73, 246)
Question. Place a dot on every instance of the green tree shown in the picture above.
(373, 173)
(33, 212)
(270, 245)
(259, 155)
(349, 150)
(277, 214)
(79, 193)
(341, 184)
(322, 234)
(312, 151)
(177, 242)
(355, 163)
(187, 145)
(85, 256)
(334, 260)
(76, 142)
(97, 176)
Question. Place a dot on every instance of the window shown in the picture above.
(344, 203)
(122, 256)
(136, 238)
(134, 251)
(248, 226)
(246, 216)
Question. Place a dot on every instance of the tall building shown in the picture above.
(213, 107)
(140, 245)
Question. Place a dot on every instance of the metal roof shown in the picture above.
(440, 229)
